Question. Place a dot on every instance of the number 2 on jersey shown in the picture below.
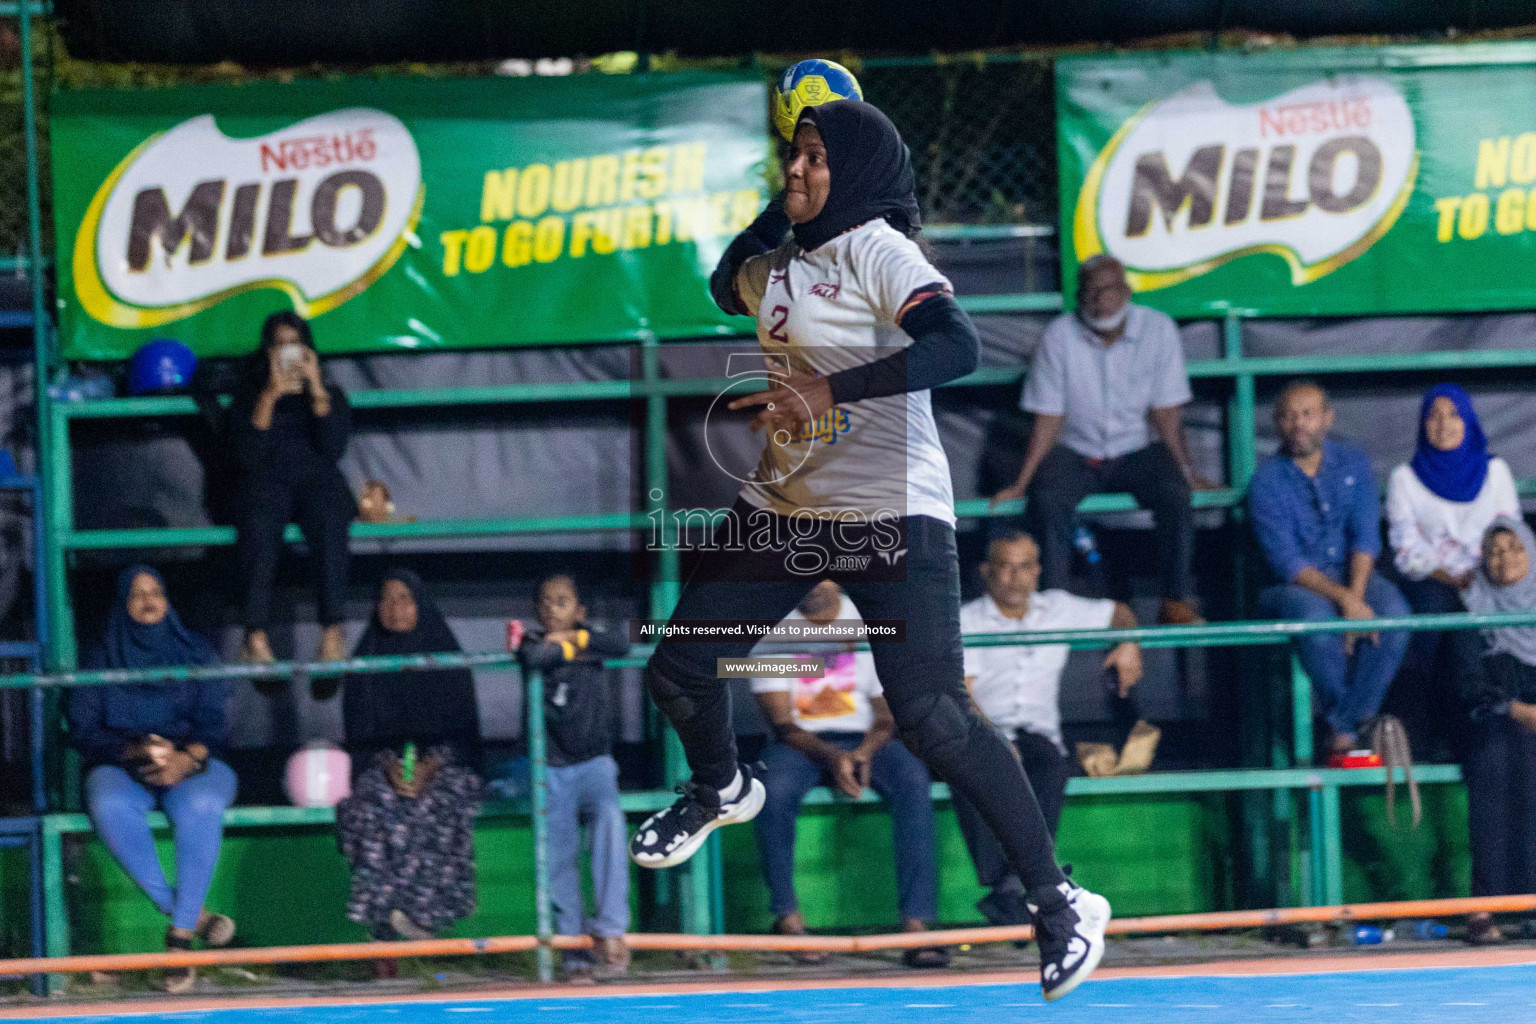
(778, 317)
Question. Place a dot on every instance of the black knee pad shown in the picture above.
(671, 698)
(939, 732)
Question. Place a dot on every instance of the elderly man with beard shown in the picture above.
(1099, 375)
(1317, 515)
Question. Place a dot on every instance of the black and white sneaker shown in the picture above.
(669, 837)
(1071, 939)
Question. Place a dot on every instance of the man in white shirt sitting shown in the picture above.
(1017, 688)
(1107, 386)
(837, 730)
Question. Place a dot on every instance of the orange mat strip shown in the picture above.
(759, 943)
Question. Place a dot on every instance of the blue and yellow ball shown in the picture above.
(810, 83)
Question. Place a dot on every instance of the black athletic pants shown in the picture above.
(1500, 768)
(323, 506)
(914, 578)
(1499, 765)
(1047, 770)
(1153, 478)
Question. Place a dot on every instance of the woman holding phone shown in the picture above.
(289, 428)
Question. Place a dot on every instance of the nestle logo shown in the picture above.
(317, 208)
(826, 290)
(319, 151)
(1316, 117)
(1314, 176)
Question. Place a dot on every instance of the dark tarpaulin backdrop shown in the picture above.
(293, 32)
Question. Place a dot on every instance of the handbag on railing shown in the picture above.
(1389, 740)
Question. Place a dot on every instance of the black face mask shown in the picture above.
(870, 170)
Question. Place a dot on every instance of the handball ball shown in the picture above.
(810, 83)
(319, 775)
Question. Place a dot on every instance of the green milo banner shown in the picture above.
(1305, 182)
(402, 213)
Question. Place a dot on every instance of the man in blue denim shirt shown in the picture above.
(1317, 516)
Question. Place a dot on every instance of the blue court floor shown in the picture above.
(1441, 995)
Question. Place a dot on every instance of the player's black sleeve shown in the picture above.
(944, 347)
(763, 236)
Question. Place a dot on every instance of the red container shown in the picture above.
(1355, 759)
(514, 635)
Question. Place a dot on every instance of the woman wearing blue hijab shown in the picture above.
(154, 744)
(1439, 506)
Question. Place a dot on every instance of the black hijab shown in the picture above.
(385, 709)
(130, 644)
(870, 169)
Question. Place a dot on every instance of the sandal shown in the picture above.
(612, 952)
(579, 968)
(178, 979)
(257, 649)
(793, 923)
(216, 930)
(333, 645)
(407, 929)
(923, 957)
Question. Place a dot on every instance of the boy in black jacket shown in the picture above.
(583, 777)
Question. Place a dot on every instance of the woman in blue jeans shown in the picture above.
(154, 744)
(898, 777)
(837, 728)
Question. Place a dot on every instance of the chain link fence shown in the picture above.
(13, 144)
(981, 131)
(982, 135)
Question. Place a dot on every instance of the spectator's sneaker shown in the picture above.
(1071, 939)
(670, 837)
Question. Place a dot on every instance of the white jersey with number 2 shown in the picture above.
(827, 310)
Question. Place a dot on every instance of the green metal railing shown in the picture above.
(1262, 632)
(691, 894)
(1322, 820)
(693, 891)
(655, 391)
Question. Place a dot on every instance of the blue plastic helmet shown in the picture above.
(163, 364)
